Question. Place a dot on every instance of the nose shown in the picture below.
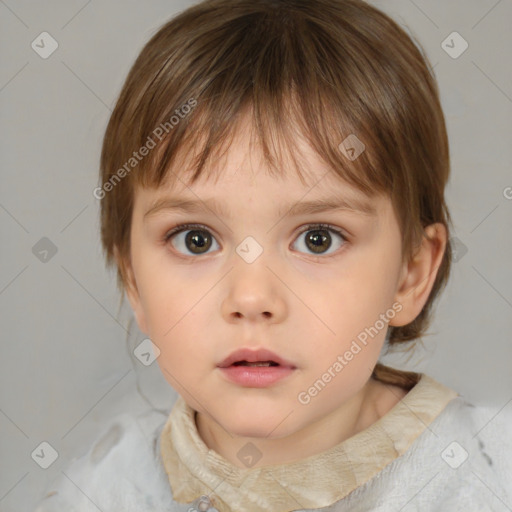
(255, 294)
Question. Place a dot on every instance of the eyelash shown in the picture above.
(310, 227)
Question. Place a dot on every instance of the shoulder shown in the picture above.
(491, 428)
(122, 470)
(461, 462)
(466, 453)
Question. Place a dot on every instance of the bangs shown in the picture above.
(255, 66)
(275, 133)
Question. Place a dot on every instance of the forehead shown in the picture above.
(238, 184)
(240, 160)
(238, 177)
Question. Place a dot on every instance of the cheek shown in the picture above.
(176, 320)
(372, 275)
(351, 306)
(159, 291)
(358, 295)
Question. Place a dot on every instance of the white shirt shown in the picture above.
(431, 452)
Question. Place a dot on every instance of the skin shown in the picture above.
(306, 307)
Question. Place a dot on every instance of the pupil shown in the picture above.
(317, 238)
(197, 240)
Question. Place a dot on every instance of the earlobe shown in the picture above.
(419, 273)
(131, 289)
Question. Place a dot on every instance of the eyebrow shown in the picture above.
(307, 207)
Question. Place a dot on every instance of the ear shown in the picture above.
(419, 273)
(131, 289)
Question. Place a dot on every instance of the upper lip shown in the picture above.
(253, 356)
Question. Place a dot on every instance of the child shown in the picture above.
(272, 194)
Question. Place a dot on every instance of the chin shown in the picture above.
(254, 430)
(255, 423)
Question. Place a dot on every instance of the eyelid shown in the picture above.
(308, 227)
(185, 227)
(327, 227)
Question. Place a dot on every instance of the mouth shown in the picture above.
(259, 368)
(257, 363)
(253, 358)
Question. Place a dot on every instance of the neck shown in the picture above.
(353, 416)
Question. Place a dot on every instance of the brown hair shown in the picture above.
(329, 68)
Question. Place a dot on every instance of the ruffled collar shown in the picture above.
(317, 481)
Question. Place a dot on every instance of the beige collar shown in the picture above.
(314, 482)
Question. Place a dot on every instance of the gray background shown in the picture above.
(65, 367)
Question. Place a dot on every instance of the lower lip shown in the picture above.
(256, 376)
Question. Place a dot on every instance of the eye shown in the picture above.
(318, 238)
(190, 237)
(197, 239)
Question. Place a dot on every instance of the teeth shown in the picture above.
(258, 363)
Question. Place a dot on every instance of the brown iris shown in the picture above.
(198, 241)
(318, 240)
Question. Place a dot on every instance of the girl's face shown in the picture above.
(250, 268)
